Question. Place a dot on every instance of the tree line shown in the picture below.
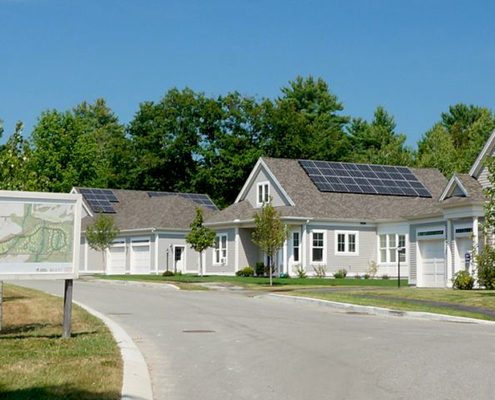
(190, 142)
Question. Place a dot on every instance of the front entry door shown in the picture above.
(179, 258)
(294, 256)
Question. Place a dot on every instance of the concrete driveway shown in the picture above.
(221, 345)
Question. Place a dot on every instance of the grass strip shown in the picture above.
(37, 363)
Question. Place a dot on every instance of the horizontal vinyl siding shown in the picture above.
(229, 268)
(252, 193)
(352, 263)
(248, 251)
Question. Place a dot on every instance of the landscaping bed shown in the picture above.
(37, 363)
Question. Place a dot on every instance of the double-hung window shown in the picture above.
(263, 193)
(220, 250)
(389, 245)
(346, 243)
(295, 246)
(318, 247)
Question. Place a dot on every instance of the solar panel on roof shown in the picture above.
(99, 199)
(363, 178)
(201, 199)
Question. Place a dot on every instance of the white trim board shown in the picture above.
(449, 189)
(487, 149)
(249, 182)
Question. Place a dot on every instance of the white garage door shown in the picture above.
(432, 270)
(116, 260)
(140, 257)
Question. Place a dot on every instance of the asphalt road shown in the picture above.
(220, 345)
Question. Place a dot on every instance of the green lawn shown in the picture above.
(259, 281)
(36, 363)
(390, 298)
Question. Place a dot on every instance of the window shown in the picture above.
(388, 248)
(346, 243)
(317, 252)
(430, 233)
(263, 193)
(295, 246)
(220, 250)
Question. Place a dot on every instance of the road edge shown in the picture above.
(348, 307)
(136, 382)
(136, 283)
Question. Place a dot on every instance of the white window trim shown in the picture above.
(220, 236)
(324, 261)
(346, 252)
(294, 247)
(431, 229)
(388, 248)
(260, 186)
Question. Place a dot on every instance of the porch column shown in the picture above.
(475, 247)
(285, 261)
(236, 250)
(450, 264)
(156, 253)
(304, 245)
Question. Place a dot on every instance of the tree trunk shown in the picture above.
(201, 264)
(270, 267)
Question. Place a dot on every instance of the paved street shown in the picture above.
(221, 345)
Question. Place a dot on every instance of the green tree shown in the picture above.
(453, 144)
(165, 138)
(230, 146)
(200, 238)
(376, 142)
(270, 233)
(16, 172)
(305, 123)
(101, 234)
(77, 147)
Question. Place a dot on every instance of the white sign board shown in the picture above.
(39, 235)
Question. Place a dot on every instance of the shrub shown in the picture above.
(357, 276)
(366, 276)
(372, 268)
(341, 273)
(463, 281)
(260, 269)
(168, 273)
(320, 270)
(248, 271)
(284, 276)
(485, 261)
(300, 271)
(385, 276)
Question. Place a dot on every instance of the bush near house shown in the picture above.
(248, 271)
(485, 261)
(168, 273)
(463, 281)
(341, 273)
(260, 269)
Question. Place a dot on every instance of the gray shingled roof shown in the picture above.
(474, 188)
(137, 210)
(311, 203)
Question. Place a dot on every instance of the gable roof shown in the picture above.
(470, 187)
(135, 210)
(485, 152)
(311, 203)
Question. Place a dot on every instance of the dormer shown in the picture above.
(261, 185)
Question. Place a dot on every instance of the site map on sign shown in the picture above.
(36, 232)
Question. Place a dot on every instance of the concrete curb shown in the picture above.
(136, 383)
(346, 307)
(136, 283)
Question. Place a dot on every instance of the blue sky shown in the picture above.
(415, 58)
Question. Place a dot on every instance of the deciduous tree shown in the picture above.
(200, 237)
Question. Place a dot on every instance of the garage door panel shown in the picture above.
(432, 265)
(116, 261)
(140, 259)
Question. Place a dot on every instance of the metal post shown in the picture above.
(167, 258)
(69, 283)
(400, 250)
(1, 304)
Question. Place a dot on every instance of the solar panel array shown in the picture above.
(365, 179)
(100, 200)
(201, 199)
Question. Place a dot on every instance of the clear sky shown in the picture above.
(415, 57)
